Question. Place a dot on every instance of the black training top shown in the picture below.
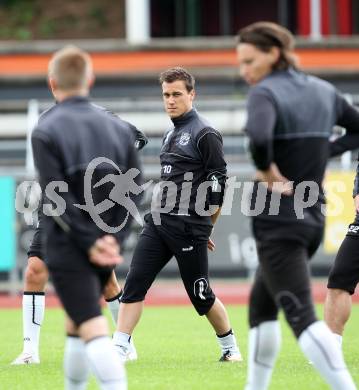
(193, 169)
(290, 120)
(65, 141)
(141, 140)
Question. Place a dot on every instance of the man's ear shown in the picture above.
(52, 84)
(275, 53)
(91, 81)
(193, 94)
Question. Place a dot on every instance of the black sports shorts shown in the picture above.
(80, 291)
(282, 279)
(156, 245)
(344, 274)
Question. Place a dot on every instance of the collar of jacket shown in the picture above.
(185, 118)
(74, 99)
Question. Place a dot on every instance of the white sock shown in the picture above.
(33, 310)
(76, 364)
(106, 364)
(339, 339)
(228, 342)
(320, 347)
(114, 306)
(263, 348)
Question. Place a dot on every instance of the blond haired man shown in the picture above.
(80, 256)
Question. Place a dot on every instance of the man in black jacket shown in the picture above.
(76, 147)
(290, 121)
(190, 195)
(36, 276)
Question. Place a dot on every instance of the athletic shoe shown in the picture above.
(123, 351)
(26, 358)
(230, 356)
(132, 353)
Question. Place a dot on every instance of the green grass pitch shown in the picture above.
(177, 351)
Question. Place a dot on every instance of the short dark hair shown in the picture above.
(265, 35)
(178, 73)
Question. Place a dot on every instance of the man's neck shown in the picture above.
(60, 96)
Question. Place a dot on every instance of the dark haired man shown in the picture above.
(193, 176)
(290, 120)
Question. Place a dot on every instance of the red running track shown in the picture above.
(173, 293)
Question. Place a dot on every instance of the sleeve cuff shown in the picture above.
(34, 253)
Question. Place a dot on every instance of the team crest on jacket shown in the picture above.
(185, 137)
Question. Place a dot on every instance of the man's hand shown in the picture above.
(211, 246)
(274, 180)
(356, 203)
(105, 252)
